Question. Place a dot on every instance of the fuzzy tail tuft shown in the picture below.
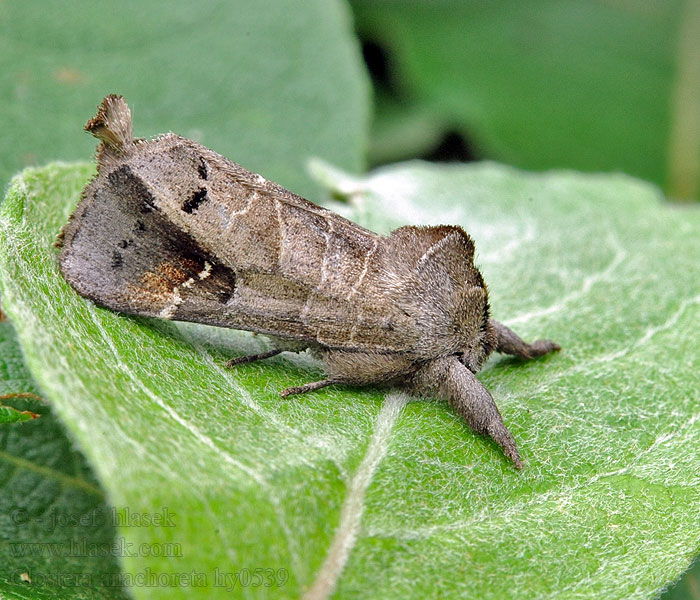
(112, 124)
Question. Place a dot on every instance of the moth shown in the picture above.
(168, 228)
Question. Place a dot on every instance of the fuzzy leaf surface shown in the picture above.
(356, 493)
(52, 511)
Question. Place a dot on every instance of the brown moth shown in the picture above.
(171, 229)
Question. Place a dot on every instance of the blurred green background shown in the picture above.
(608, 85)
(588, 85)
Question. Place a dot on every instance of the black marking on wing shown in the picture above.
(203, 169)
(117, 260)
(132, 260)
(193, 202)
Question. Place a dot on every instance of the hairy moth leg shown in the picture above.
(241, 360)
(308, 387)
(509, 342)
(448, 378)
(280, 345)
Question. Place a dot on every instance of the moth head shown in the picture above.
(112, 126)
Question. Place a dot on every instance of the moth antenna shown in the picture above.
(112, 125)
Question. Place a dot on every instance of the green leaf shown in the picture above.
(9, 414)
(51, 508)
(549, 83)
(267, 85)
(368, 494)
(168, 428)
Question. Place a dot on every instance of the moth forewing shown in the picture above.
(171, 229)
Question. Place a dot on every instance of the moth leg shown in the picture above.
(241, 360)
(308, 387)
(448, 378)
(510, 343)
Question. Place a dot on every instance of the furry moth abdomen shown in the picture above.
(171, 229)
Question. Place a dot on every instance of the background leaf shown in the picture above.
(595, 86)
(268, 87)
(606, 506)
(52, 511)
(9, 414)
